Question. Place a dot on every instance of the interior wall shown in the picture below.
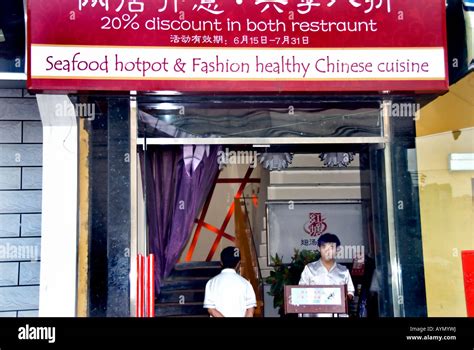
(222, 199)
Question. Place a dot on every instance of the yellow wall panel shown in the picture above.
(446, 198)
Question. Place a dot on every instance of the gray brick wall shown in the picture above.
(20, 203)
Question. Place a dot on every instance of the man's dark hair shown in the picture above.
(328, 238)
(230, 257)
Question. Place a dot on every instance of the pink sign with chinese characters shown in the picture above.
(237, 45)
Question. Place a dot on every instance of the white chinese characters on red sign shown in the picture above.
(214, 6)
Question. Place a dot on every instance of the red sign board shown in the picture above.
(237, 45)
(468, 271)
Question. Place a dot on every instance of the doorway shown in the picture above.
(323, 132)
(280, 188)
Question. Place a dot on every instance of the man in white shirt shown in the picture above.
(229, 294)
(326, 271)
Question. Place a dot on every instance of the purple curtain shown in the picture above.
(177, 182)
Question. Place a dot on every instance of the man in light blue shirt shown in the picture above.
(326, 271)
